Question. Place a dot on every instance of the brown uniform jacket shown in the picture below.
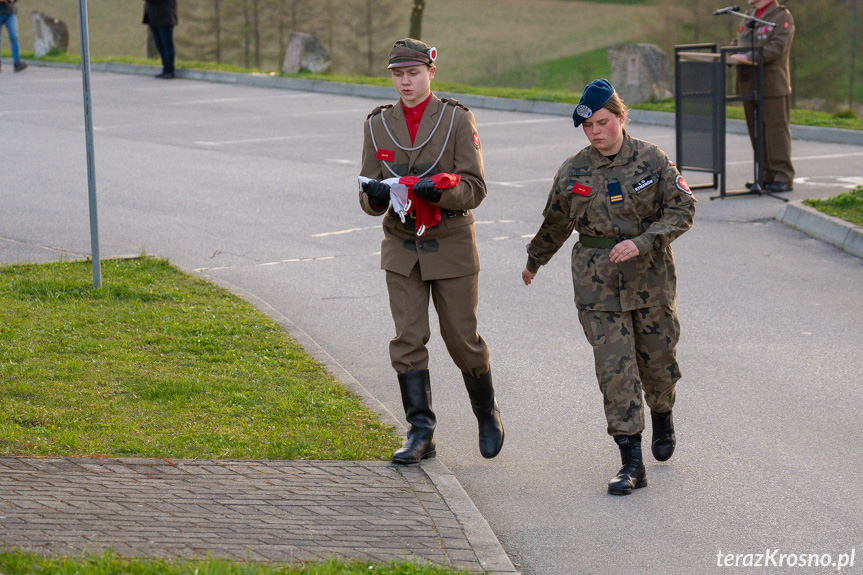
(639, 195)
(777, 51)
(448, 249)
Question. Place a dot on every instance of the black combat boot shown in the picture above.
(487, 411)
(632, 475)
(664, 439)
(417, 400)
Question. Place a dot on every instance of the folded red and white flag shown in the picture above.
(404, 200)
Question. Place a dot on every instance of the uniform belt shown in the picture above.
(592, 242)
(447, 213)
(453, 214)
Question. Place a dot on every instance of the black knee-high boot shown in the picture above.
(632, 475)
(417, 401)
(487, 411)
(664, 439)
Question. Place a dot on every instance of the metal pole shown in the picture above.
(88, 129)
(853, 67)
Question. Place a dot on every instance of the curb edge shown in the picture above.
(844, 235)
(482, 539)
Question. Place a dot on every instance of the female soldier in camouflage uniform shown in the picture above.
(628, 202)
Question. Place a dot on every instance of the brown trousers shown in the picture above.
(635, 353)
(455, 300)
(777, 138)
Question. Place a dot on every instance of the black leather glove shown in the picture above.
(378, 192)
(425, 189)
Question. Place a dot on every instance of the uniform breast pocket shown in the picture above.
(581, 193)
(644, 195)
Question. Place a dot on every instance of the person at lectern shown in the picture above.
(776, 43)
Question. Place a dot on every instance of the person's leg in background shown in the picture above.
(11, 23)
(163, 38)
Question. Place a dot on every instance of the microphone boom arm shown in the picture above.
(748, 18)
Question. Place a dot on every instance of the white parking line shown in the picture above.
(840, 182)
(258, 140)
(806, 158)
(278, 262)
(519, 183)
(515, 122)
(234, 100)
(341, 232)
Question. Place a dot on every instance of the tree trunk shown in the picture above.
(152, 53)
(283, 28)
(370, 37)
(246, 38)
(217, 24)
(417, 10)
(256, 22)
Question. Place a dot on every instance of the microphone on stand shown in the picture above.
(726, 10)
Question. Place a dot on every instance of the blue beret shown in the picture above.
(594, 97)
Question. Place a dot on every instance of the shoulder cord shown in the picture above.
(443, 147)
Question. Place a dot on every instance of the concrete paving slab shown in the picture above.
(280, 511)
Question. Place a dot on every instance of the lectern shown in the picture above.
(700, 96)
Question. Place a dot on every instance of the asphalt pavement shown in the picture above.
(254, 188)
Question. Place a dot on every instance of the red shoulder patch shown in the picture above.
(476, 140)
(682, 185)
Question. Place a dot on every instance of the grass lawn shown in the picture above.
(160, 364)
(14, 562)
(848, 206)
(843, 120)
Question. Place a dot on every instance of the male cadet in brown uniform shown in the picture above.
(422, 136)
(776, 43)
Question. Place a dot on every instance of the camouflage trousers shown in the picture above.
(634, 353)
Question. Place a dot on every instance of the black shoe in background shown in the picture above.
(777, 187)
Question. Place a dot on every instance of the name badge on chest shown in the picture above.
(645, 183)
(615, 193)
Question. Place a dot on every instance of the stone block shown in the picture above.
(49, 34)
(305, 53)
(640, 72)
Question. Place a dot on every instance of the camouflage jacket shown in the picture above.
(639, 195)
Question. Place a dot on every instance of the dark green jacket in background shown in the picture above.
(159, 13)
(8, 8)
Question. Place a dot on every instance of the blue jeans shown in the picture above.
(11, 23)
(163, 38)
